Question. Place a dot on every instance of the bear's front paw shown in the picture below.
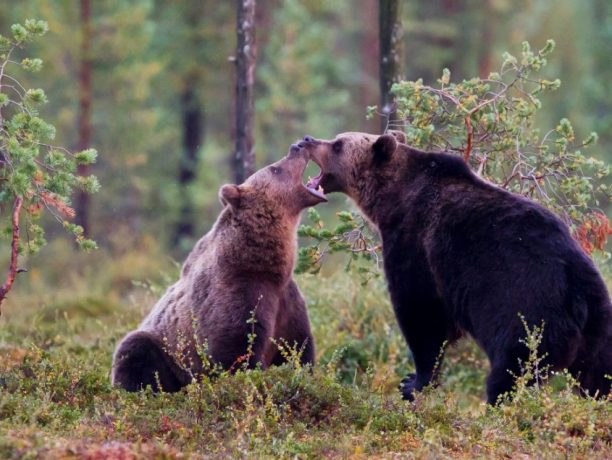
(406, 387)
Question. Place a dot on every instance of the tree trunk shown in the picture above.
(486, 42)
(192, 140)
(192, 122)
(244, 156)
(369, 60)
(601, 65)
(390, 34)
(264, 19)
(82, 199)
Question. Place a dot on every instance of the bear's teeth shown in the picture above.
(320, 189)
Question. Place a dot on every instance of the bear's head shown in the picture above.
(277, 188)
(349, 160)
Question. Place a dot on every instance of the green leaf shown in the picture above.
(592, 138)
(303, 231)
(32, 65)
(343, 228)
(87, 244)
(371, 111)
(313, 215)
(75, 229)
(5, 45)
(548, 48)
(36, 27)
(345, 216)
(89, 184)
(19, 32)
(86, 157)
(36, 96)
(445, 76)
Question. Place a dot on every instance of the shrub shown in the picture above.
(491, 123)
(35, 176)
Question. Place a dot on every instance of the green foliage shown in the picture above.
(56, 398)
(352, 235)
(32, 169)
(316, 72)
(492, 123)
(533, 406)
(129, 115)
(302, 88)
(598, 98)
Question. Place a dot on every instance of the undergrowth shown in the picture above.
(56, 400)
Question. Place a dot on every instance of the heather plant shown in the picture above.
(56, 401)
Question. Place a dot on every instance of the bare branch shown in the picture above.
(469, 131)
(13, 270)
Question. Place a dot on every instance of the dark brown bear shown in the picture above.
(243, 264)
(464, 256)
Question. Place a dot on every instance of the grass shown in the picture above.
(58, 332)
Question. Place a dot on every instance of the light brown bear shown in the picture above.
(242, 268)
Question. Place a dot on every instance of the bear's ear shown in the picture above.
(384, 147)
(230, 194)
(400, 136)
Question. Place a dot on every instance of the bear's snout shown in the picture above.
(296, 150)
(309, 140)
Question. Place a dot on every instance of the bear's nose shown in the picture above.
(310, 139)
(294, 148)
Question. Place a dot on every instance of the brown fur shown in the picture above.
(464, 256)
(242, 267)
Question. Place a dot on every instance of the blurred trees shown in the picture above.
(191, 43)
(181, 25)
(598, 52)
(367, 33)
(307, 81)
(124, 120)
(162, 112)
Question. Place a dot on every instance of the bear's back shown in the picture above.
(185, 300)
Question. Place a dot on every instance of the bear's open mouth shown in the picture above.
(314, 186)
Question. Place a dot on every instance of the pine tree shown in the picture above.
(35, 174)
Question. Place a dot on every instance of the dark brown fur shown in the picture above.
(241, 268)
(464, 256)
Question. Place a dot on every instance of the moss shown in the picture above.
(56, 400)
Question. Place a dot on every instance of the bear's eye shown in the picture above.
(275, 170)
(337, 147)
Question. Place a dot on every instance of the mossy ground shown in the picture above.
(58, 332)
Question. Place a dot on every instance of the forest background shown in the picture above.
(162, 73)
(162, 111)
